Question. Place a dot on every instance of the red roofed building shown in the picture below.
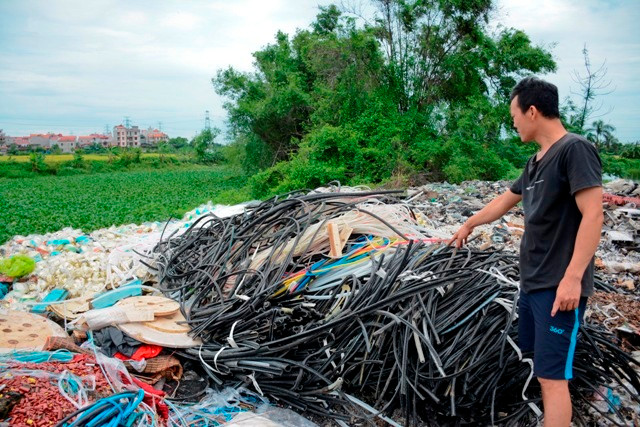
(94, 139)
(42, 140)
(67, 144)
(22, 142)
(154, 136)
(101, 139)
(84, 141)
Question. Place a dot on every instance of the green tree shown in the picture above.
(601, 133)
(78, 159)
(178, 142)
(164, 148)
(421, 88)
(94, 148)
(112, 154)
(274, 102)
(37, 162)
(631, 150)
(203, 143)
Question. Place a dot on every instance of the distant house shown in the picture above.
(94, 139)
(43, 140)
(154, 136)
(84, 141)
(126, 137)
(67, 144)
(22, 142)
(39, 140)
(101, 139)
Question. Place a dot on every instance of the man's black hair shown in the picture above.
(534, 91)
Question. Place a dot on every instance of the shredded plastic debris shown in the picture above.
(17, 266)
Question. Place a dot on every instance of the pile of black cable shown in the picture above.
(402, 328)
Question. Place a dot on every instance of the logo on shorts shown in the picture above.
(556, 330)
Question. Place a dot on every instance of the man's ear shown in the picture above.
(533, 112)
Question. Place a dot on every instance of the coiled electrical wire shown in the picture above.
(400, 322)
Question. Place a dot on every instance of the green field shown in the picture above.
(50, 203)
(59, 158)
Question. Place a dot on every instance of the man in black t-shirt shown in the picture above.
(561, 193)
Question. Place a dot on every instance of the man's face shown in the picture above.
(522, 121)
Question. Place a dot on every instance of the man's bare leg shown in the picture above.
(557, 402)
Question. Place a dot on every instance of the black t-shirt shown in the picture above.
(551, 215)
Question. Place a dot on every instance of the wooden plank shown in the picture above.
(345, 233)
(335, 249)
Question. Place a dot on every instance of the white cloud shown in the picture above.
(89, 63)
(608, 28)
(181, 20)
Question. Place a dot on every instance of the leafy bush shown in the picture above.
(129, 156)
(619, 166)
(630, 151)
(235, 154)
(259, 155)
(13, 170)
(36, 160)
(269, 181)
(78, 159)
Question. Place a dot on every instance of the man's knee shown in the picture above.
(549, 384)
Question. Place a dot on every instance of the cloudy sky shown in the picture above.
(76, 66)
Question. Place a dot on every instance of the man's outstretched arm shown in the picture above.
(492, 211)
(589, 203)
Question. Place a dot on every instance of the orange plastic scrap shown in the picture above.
(612, 199)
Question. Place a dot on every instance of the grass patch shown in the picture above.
(67, 164)
(59, 158)
(50, 203)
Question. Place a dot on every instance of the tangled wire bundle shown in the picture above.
(400, 322)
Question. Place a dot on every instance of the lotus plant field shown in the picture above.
(89, 202)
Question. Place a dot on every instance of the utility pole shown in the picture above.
(207, 121)
(127, 121)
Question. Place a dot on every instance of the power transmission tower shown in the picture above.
(207, 121)
(160, 126)
(127, 121)
(106, 129)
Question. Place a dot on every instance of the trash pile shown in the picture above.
(619, 252)
(343, 304)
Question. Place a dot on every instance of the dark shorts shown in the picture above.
(552, 339)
